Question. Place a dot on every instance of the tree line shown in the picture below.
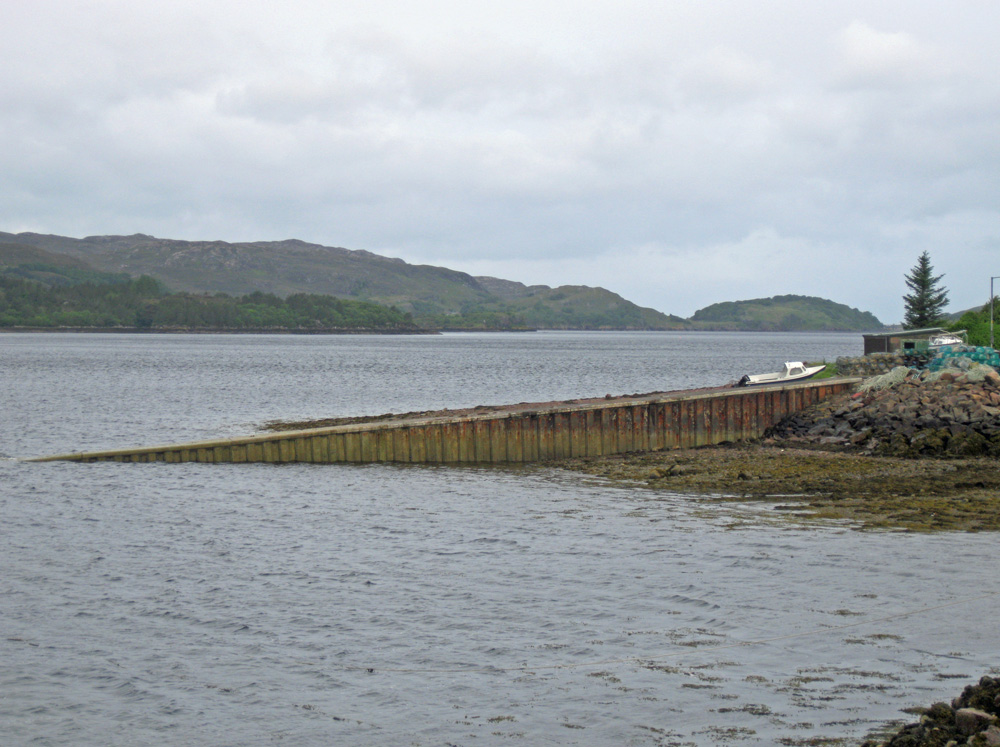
(145, 303)
(977, 324)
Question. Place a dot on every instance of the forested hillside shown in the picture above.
(294, 284)
(437, 297)
(144, 303)
(785, 313)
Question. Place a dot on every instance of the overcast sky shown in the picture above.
(677, 153)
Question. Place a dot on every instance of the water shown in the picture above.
(335, 604)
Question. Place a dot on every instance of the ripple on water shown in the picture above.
(225, 605)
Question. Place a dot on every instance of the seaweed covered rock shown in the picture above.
(954, 411)
(971, 719)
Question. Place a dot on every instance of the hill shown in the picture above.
(784, 314)
(435, 296)
(33, 263)
(143, 304)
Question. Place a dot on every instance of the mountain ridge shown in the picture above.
(437, 297)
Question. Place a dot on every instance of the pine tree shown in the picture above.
(925, 304)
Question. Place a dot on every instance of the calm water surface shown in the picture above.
(332, 604)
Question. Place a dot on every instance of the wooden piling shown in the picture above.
(532, 433)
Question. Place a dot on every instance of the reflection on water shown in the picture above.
(225, 604)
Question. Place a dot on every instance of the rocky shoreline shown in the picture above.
(970, 719)
(953, 412)
(808, 484)
(910, 450)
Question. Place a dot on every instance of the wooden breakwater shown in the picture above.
(521, 433)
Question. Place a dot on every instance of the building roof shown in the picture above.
(907, 332)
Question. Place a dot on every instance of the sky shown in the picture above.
(677, 153)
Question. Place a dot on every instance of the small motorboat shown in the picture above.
(793, 371)
(947, 338)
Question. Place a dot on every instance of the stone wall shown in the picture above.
(879, 363)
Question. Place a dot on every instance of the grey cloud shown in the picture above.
(883, 60)
(699, 134)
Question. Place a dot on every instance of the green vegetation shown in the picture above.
(566, 307)
(436, 297)
(924, 306)
(784, 314)
(144, 303)
(50, 275)
(576, 306)
(831, 370)
(977, 324)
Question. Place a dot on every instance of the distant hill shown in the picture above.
(45, 290)
(785, 313)
(32, 263)
(436, 296)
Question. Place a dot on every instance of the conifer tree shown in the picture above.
(927, 300)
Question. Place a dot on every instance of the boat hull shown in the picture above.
(792, 372)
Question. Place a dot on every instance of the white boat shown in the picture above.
(793, 371)
(947, 338)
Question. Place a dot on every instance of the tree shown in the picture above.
(977, 323)
(928, 299)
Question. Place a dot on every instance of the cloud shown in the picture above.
(723, 77)
(870, 58)
(764, 263)
(735, 146)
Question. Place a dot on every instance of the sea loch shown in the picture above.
(324, 604)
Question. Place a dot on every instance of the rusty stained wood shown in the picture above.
(481, 441)
(498, 440)
(561, 435)
(609, 430)
(529, 437)
(594, 429)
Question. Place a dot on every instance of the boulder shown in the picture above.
(991, 737)
(971, 721)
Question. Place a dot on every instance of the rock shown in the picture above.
(991, 736)
(962, 723)
(941, 713)
(948, 413)
(967, 443)
(971, 721)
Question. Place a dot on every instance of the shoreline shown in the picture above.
(813, 484)
(217, 331)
